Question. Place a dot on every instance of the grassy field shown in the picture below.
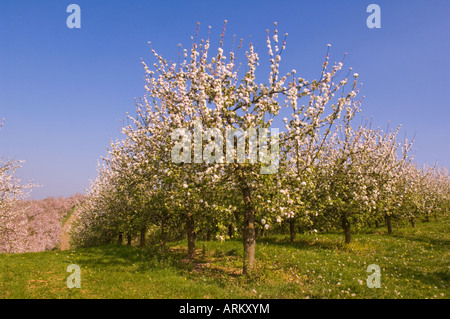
(414, 263)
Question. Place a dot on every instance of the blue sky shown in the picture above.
(64, 92)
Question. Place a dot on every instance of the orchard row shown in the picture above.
(331, 173)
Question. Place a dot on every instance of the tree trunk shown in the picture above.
(230, 230)
(142, 238)
(388, 219)
(190, 228)
(376, 223)
(249, 237)
(128, 240)
(346, 228)
(292, 229)
(120, 241)
(413, 222)
(163, 235)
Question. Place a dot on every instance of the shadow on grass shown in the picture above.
(115, 255)
(424, 239)
(438, 278)
(305, 244)
(138, 259)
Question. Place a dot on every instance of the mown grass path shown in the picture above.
(65, 231)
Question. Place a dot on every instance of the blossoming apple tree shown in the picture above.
(173, 166)
(13, 222)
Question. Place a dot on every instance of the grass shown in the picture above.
(414, 264)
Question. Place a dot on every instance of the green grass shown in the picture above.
(414, 263)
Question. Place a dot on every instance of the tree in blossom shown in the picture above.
(44, 220)
(213, 94)
(202, 154)
(12, 220)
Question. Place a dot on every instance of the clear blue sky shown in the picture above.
(64, 92)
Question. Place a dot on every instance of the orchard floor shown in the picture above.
(414, 263)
